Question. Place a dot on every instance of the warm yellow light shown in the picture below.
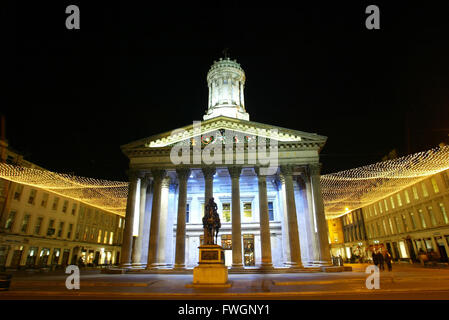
(107, 195)
(349, 190)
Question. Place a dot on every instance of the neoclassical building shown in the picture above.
(264, 179)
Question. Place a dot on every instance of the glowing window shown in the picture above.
(412, 218)
(423, 220)
(398, 197)
(404, 222)
(247, 210)
(391, 226)
(270, 211)
(407, 197)
(25, 222)
(443, 212)
(424, 189)
(392, 202)
(226, 210)
(435, 185)
(415, 193)
(385, 226)
(187, 213)
(432, 216)
(10, 220)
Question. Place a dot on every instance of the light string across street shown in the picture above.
(343, 191)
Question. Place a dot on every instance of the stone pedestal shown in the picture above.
(211, 271)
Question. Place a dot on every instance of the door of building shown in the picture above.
(409, 243)
(31, 258)
(96, 261)
(17, 255)
(443, 254)
(248, 249)
(441, 249)
(396, 250)
(65, 257)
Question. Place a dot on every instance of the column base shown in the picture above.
(125, 265)
(323, 263)
(237, 266)
(179, 267)
(266, 266)
(298, 265)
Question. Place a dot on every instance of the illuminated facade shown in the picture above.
(269, 219)
(406, 222)
(42, 229)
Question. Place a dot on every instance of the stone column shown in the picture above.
(323, 239)
(285, 234)
(264, 221)
(137, 253)
(208, 173)
(295, 250)
(125, 257)
(158, 175)
(236, 224)
(163, 219)
(183, 175)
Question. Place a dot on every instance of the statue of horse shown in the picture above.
(211, 222)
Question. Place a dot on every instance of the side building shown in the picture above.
(405, 223)
(41, 229)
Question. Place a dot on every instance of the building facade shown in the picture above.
(413, 220)
(40, 228)
(270, 204)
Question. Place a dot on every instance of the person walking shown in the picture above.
(388, 260)
(381, 261)
(375, 258)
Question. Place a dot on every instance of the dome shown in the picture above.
(226, 82)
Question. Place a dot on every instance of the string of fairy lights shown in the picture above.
(342, 192)
(352, 189)
(107, 195)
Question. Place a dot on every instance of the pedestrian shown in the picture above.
(380, 258)
(375, 258)
(388, 260)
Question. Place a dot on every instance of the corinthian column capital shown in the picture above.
(314, 168)
(158, 174)
(208, 172)
(134, 174)
(286, 170)
(183, 174)
(235, 171)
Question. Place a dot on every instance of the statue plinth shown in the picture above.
(211, 270)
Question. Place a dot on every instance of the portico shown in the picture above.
(264, 179)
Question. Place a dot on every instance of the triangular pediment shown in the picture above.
(250, 128)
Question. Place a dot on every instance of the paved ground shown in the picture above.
(404, 282)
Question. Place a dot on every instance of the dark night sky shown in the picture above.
(134, 71)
